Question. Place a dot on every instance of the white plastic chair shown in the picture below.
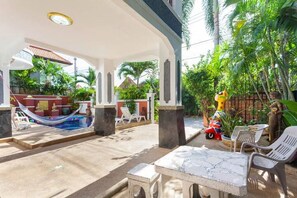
(239, 133)
(19, 120)
(281, 151)
(251, 133)
(126, 115)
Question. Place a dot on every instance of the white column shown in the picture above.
(169, 63)
(6, 86)
(105, 82)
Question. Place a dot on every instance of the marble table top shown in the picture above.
(220, 170)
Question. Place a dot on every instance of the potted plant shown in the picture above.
(229, 120)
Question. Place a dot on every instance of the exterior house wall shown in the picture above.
(141, 107)
(31, 103)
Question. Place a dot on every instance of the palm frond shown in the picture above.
(187, 7)
(208, 7)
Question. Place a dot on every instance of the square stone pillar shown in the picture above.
(5, 122)
(171, 126)
(105, 120)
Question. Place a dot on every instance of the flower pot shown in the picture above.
(226, 141)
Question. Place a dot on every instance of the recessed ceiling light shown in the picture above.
(60, 18)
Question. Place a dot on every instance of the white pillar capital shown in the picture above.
(105, 82)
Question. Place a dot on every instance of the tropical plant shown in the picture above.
(199, 82)
(82, 94)
(189, 102)
(290, 114)
(267, 49)
(137, 69)
(133, 92)
(187, 7)
(45, 77)
(131, 104)
(88, 79)
(229, 120)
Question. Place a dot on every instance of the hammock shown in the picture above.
(44, 120)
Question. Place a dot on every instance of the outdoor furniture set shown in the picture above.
(220, 172)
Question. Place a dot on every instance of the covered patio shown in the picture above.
(104, 33)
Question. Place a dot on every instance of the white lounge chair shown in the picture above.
(19, 120)
(283, 150)
(126, 115)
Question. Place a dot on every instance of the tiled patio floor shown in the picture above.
(89, 166)
(259, 185)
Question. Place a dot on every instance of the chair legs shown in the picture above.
(281, 174)
(272, 177)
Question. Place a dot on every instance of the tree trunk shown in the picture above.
(261, 76)
(276, 77)
(216, 23)
(253, 83)
(287, 93)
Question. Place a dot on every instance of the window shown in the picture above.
(170, 2)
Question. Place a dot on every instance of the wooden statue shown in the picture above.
(275, 116)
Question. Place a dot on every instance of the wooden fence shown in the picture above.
(249, 107)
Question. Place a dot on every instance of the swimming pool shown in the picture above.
(75, 122)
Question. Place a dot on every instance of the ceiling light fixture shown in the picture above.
(60, 18)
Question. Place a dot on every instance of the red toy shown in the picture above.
(214, 130)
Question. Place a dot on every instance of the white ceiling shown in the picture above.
(101, 28)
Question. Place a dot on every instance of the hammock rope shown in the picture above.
(44, 120)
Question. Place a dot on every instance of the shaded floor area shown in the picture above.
(89, 167)
(259, 184)
(82, 168)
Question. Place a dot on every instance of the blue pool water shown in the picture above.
(75, 122)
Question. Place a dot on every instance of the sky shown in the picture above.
(200, 44)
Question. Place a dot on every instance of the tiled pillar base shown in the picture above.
(105, 120)
(171, 126)
(5, 122)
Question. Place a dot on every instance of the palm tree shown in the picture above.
(89, 79)
(255, 22)
(287, 17)
(137, 69)
(212, 11)
(187, 7)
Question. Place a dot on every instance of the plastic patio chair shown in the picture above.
(251, 133)
(126, 115)
(19, 120)
(281, 151)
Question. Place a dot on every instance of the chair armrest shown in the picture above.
(253, 145)
(254, 154)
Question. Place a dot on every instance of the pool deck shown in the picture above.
(93, 166)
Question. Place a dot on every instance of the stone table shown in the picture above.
(222, 172)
